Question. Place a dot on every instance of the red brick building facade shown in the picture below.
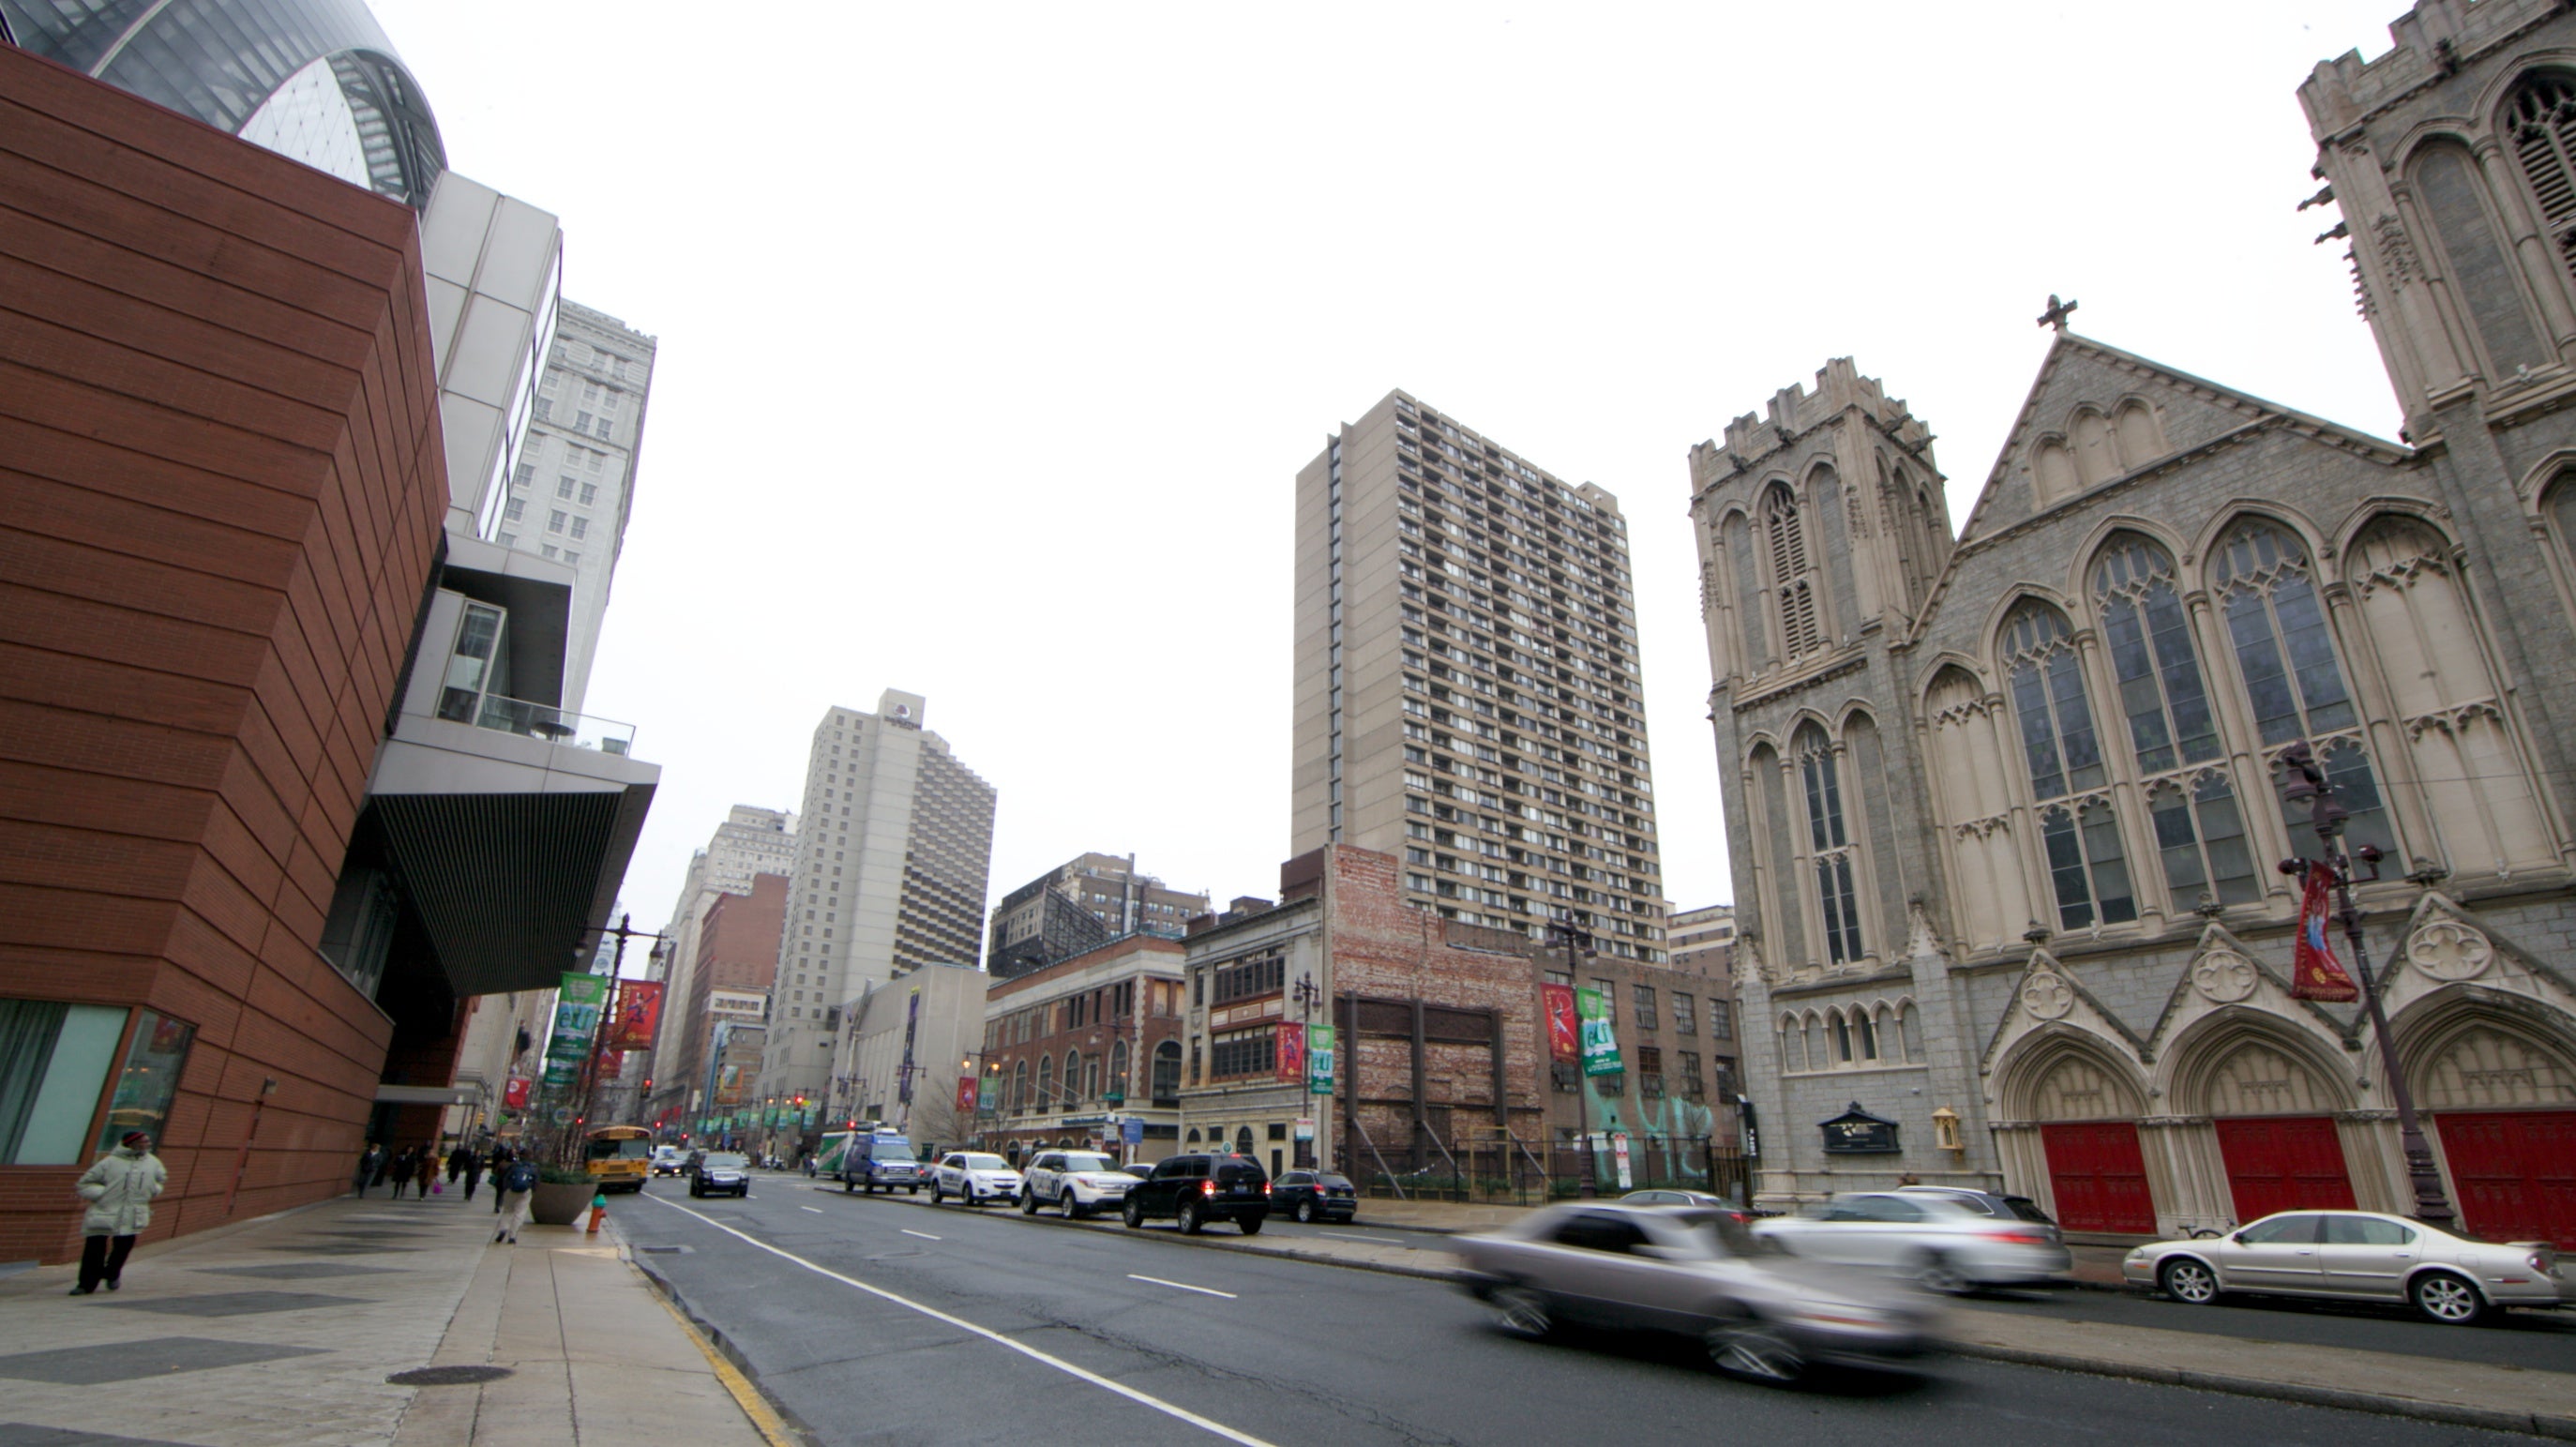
(1061, 1041)
(221, 492)
(737, 950)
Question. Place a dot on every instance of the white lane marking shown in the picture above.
(1142, 1399)
(924, 1235)
(817, 1210)
(1347, 1236)
(1184, 1286)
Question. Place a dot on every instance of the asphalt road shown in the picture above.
(2532, 1340)
(873, 1321)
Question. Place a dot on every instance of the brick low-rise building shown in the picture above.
(1078, 1047)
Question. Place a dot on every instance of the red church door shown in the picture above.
(2283, 1163)
(2515, 1171)
(2099, 1177)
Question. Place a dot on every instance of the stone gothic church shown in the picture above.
(2006, 808)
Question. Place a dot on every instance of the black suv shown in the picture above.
(1195, 1190)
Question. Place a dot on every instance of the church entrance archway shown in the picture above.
(2505, 1108)
(2276, 1133)
(2088, 1129)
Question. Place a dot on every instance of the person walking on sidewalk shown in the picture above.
(119, 1190)
(501, 1158)
(404, 1164)
(371, 1168)
(473, 1172)
(456, 1159)
(518, 1183)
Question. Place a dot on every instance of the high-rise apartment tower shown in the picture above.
(1467, 694)
(892, 854)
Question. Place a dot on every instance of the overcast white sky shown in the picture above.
(992, 337)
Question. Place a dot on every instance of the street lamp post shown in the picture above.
(2432, 1203)
(1576, 939)
(1307, 995)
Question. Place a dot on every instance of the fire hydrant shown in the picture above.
(598, 1212)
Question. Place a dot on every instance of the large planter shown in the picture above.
(560, 1203)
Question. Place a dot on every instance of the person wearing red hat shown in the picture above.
(119, 1190)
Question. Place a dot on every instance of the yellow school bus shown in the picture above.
(619, 1157)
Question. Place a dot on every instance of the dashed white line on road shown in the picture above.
(817, 1210)
(1169, 1409)
(1184, 1286)
(1347, 1236)
(924, 1235)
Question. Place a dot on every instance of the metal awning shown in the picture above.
(428, 1094)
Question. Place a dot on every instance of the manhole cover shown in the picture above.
(448, 1376)
(664, 1250)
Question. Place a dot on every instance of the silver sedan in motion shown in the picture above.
(1930, 1239)
(1693, 1270)
(2449, 1276)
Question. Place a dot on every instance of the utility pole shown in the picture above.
(1307, 995)
(1578, 941)
(2432, 1203)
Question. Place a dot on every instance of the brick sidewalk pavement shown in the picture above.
(281, 1332)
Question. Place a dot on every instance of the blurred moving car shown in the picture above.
(1313, 1195)
(2448, 1276)
(1940, 1244)
(1988, 1203)
(973, 1177)
(667, 1160)
(1674, 1196)
(1197, 1189)
(1700, 1272)
(721, 1173)
(1074, 1182)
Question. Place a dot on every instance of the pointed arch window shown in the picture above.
(2285, 655)
(1830, 847)
(1793, 589)
(2173, 731)
(2081, 835)
(2541, 122)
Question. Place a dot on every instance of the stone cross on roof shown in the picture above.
(2057, 313)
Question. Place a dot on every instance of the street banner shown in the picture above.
(1319, 1060)
(988, 1095)
(2314, 972)
(1291, 1066)
(1564, 1036)
(966, 1096)
(559, 1073)
(578, 1000)
(639, 1010)
(1600, 1046)
(911, 1028)
(515, 1094)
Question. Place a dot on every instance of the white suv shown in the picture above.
(1074, 1182)
(973, 1177)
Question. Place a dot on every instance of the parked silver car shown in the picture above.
(1692, 1270)
(1937, 1242)
(2449, 1276)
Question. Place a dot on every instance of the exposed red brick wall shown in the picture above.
(1158, 1016)
(737, 950)
(221, 490)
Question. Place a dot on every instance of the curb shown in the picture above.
(775, 1423)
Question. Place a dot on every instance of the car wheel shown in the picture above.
(2450, 1300)
(1189, 1218)
(1755, 1351)
(2190, 1282)
(1935, 1273)
(1523, 1313)
(1249, 1225)
(846, 1187)
(915, 1191)
(1133, 1213)
(1071, 1208)
(938, 1194)
(1305, 1212)
(1028, 1203)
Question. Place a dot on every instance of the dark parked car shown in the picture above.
(1195, 1190)
(1313, 1195)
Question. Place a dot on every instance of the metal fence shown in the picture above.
(1512, 1172)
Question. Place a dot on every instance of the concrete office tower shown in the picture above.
(1467, 694)
(572, 485)
(891, 862)
(752, 841)
(1077, 907)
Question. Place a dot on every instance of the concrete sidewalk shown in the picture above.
(285, 1330)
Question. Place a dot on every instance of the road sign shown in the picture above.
(1132, 1130)
(1305, 1128)
(563, 1115)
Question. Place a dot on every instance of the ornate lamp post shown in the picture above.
(1308, 995)
(2432, 1203)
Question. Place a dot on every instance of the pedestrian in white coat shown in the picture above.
(119, 1190)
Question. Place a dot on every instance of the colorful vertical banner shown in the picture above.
(988, 1095)
(638, 1012)
(1600, 1046)
(1319, 1060)
(1564, 1033)
(2315, 974)
(1291, 1064)
(578, 1002)
(514, 1096)
(966, 1099)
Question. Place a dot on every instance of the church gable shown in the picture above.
(2096, 414)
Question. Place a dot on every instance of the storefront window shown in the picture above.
(153, 1061)
(53, 1063)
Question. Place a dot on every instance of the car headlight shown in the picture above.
(2138, 1253)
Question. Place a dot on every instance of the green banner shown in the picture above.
(578, 1001)
(1600, 1046)
(1319, 1059)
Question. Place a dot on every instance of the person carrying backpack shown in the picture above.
(518, 1183)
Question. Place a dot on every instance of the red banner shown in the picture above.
(638, 1010)
(514, 1096)
(1564, 1033)
(1292, 1054)
(2314, 973)
(966, 1094)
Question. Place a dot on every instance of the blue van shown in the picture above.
(881, 1161)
